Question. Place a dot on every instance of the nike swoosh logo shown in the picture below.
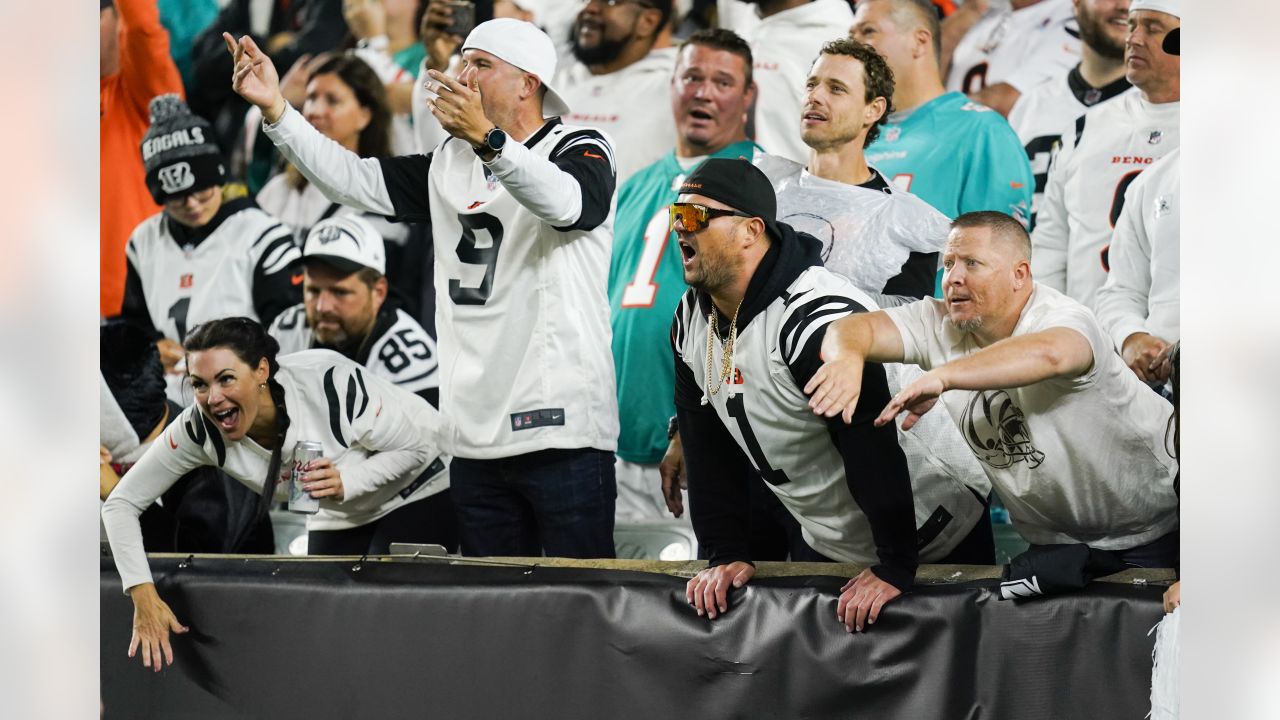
(295, 280)
(1016, 185)
(589, 154)
(172, 444)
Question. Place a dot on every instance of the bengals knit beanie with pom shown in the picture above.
(178, 151)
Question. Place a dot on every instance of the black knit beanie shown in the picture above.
(178, 151)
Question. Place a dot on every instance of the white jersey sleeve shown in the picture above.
(406, 355)
(343, 176)
(186, 444)
(398, 429)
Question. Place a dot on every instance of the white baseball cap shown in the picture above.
(1172, 7)
(348, 243)
(525, 46)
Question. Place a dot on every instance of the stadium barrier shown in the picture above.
(417, 638)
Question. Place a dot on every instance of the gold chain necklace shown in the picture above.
(726, 362)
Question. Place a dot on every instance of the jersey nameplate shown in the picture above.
(537, 418)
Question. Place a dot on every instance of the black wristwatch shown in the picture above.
(672, 428)
(494, 141)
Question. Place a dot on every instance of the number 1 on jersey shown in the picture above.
(738, 412)
(641, 291)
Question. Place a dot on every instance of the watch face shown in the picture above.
(496, 139)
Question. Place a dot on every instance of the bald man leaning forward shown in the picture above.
(1078, 448)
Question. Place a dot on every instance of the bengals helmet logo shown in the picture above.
(997, 431)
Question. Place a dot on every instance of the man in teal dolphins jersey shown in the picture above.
(951, 152)
(711, 90)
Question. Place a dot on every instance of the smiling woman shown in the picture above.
(379, 456)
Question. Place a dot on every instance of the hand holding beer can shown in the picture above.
(300, 500)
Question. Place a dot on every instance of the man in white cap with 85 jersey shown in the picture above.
(520, 208)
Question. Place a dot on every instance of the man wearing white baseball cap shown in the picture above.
(1101, 154)
(520, 206)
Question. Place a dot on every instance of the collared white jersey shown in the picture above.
(1100, 156)
(403, 353)
(381, 438)
(784, 46)
(1020, 47)
(632, 105)
(766, 412)
(186, 286)
(1042, 113)
(1141, 292)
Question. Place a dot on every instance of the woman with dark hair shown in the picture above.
(378, 455)
(346, 101)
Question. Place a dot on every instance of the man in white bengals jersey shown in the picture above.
(1010, 48)
(746, 341)
(204, 256)
(1103, 153)
(346, 308)
(520, 208)
(1041, 113)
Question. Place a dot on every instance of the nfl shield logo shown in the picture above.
(1156, 137)
(891, 135)
(1092, 96)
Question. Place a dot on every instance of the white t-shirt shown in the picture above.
(382, 439)
(632, 105)
(1141, 293)
(1020, 47)
(1078, 460)
(784, 46)
(1042, 113)
(1100, 155)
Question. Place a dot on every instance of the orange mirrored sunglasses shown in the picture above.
(694, 217)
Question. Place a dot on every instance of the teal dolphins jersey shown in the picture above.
(957, 155)
(646, 281)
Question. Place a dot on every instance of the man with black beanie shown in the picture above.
(746, 339)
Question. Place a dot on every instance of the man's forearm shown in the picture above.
(1020, 361)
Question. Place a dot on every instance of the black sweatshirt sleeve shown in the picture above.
(719, 501)
(875, 468)
(587, 156)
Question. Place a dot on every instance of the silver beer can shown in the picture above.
(300, 500)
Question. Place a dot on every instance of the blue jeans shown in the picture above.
(554, 502)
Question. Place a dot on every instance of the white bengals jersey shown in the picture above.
(400, 349)
(522, 308)
(185, 286)
(382, 438)
(1041, 114)
(767, 413)
(1020, 47)
(1105, 151)
(632, 105)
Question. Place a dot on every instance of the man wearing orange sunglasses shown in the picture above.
(746, 338)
